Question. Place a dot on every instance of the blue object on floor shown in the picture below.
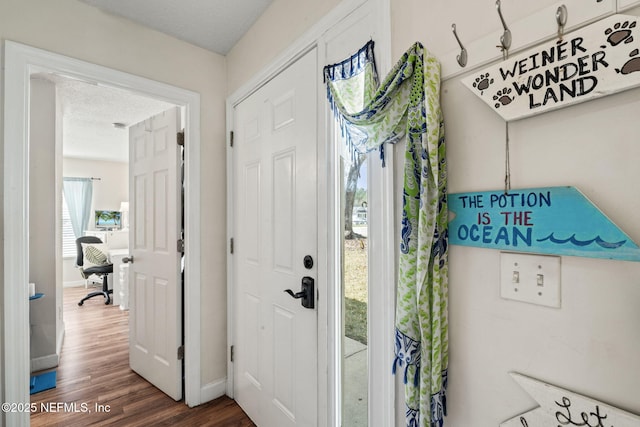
(42, 382)
(36, 296)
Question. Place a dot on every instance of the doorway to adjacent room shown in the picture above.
(20, 64)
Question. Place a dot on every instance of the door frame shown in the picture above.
(21, 61)
(382, 261)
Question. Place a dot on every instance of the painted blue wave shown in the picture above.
(597, 240)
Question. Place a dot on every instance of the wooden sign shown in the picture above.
(595, 61)
(549, 220)
(559, 407)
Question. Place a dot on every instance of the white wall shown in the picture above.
(70, 274)
(591, 344)
(72, 28)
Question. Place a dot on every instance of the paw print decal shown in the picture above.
(631, 65)
(621, 32)
(503, 97)
(483, 82)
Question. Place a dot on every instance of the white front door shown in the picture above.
(275, 228)
(155, 286)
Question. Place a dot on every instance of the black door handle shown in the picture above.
(297, 295)
(307, 293)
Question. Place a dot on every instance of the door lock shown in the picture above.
(308, 262)
(307, 293)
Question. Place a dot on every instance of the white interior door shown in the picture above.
(155, 287)
(275, 205)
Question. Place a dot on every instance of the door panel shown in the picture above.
(275, 353)
(284, 211)
(155, 331)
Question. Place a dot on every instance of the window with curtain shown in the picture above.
(407, 105)
(77, 194)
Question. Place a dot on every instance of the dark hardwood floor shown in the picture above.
(96, 387)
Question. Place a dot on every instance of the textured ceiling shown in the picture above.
(89, 112)
(215, 25)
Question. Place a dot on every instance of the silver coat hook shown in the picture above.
(505, 38)
(561, 19)
(462, 58)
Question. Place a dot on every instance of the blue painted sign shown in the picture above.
(550, 220)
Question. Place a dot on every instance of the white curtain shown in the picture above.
(78, 193)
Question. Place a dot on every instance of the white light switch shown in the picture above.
(530, 278)
(516, 277)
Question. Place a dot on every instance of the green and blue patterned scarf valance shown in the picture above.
(407, 104)
(350, 86)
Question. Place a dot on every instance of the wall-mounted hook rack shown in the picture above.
(532, 29)
(561, 19)
(505, 38)
(462, 58)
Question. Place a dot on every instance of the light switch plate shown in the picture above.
(530, 278)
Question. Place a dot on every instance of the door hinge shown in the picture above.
(231, 245)
(231, 138)
(180, 245)
(181, 138)
(231, 354)
(181, 352)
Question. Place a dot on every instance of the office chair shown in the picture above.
(98, 270)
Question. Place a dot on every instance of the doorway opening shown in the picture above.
(95, 146)
(92, 135)
(21, 62)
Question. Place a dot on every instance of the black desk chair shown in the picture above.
(98, 270)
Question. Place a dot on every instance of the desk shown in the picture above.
(114, 239)
(119, 279)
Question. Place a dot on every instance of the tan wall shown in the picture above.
(72, 28)
(43, 249)
(278, 27)
(590, 344)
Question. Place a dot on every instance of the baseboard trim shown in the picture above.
(73, 284)
(213, 390)
(44, 362)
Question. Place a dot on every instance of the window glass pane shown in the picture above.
(355, 292)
